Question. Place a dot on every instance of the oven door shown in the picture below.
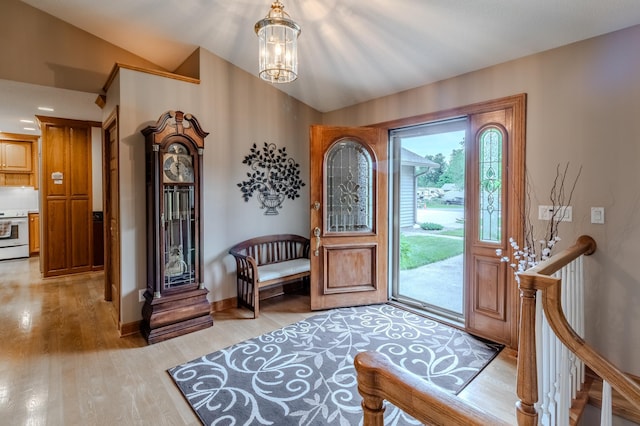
(14, 232)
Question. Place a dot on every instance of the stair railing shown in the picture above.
(551, 331)
(379, 379)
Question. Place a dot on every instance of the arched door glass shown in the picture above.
(490, 209)
(349, 174)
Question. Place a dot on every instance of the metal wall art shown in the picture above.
(274, 176)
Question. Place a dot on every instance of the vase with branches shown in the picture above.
(274, 176)
(535, 250)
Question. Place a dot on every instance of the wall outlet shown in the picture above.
(141, 295)
(564, 213)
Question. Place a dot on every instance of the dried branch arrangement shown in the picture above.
(536, 250)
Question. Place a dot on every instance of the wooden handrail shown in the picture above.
(538, 278)
(380, 379)
(583, 245)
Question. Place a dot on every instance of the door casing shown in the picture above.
(111, 197)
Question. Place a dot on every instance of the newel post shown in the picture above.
(367, 368)
(527, 380)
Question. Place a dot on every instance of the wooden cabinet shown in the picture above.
(18, 160)
(15, 156)
(34, 233)
(66, 196)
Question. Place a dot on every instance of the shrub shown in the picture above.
(430, 226)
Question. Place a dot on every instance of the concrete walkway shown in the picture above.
(439, 283)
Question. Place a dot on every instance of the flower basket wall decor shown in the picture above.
(274, 176)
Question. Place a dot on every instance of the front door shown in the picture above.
(349, 226)
(495, 177)
(493, 199)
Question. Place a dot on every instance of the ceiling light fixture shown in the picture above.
(26, 121)
(45, 109)
(278, 45)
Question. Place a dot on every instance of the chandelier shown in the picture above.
(278, 45)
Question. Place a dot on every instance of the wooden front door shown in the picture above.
(494, 206)
(111, 213)
(349, 226)
(66, 208)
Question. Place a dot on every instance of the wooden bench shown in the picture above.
(268, 261)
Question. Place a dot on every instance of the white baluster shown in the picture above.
(560, 373)
(606, 415)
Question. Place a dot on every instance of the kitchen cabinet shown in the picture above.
(15, 156)
(18, 160)
(34, 233)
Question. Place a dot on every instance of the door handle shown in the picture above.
(316, 233)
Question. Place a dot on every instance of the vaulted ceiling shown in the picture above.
(351, 50)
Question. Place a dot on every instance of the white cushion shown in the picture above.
(283, 269)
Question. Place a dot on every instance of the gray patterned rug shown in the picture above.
(303, 374)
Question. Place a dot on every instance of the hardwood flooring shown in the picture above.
(63, 363)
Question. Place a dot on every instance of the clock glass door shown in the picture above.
(179, 236)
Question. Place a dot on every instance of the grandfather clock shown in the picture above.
(176, 298)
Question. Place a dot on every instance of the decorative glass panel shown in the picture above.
(491, 185)
(349, 183)
(179, 236)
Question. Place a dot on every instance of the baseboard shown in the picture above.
(276, 290)
(129, 328)
(224, 304)
(220, 305)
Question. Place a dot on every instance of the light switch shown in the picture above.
(597, 214)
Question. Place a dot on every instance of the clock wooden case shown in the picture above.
(176, 298)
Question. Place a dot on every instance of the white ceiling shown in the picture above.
(20, 101)
(351, 51)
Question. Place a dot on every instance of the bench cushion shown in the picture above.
(283, 269)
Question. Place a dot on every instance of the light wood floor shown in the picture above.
(63, 363)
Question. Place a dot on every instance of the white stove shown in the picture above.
(14, 234)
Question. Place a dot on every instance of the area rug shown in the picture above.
(303, 374)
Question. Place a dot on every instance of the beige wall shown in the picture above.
(238, 110)
(47, 51)
(583, 104)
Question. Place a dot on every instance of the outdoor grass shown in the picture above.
(453, 232)
(438, 204)
(420, 250)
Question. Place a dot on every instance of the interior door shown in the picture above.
(349, 226)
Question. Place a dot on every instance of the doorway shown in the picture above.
(429, 204)
(488, 205)
(111, 195)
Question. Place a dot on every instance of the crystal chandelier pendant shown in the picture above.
(278, 45)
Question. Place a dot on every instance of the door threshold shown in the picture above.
(443, 318)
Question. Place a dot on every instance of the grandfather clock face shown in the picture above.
(177, 165)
